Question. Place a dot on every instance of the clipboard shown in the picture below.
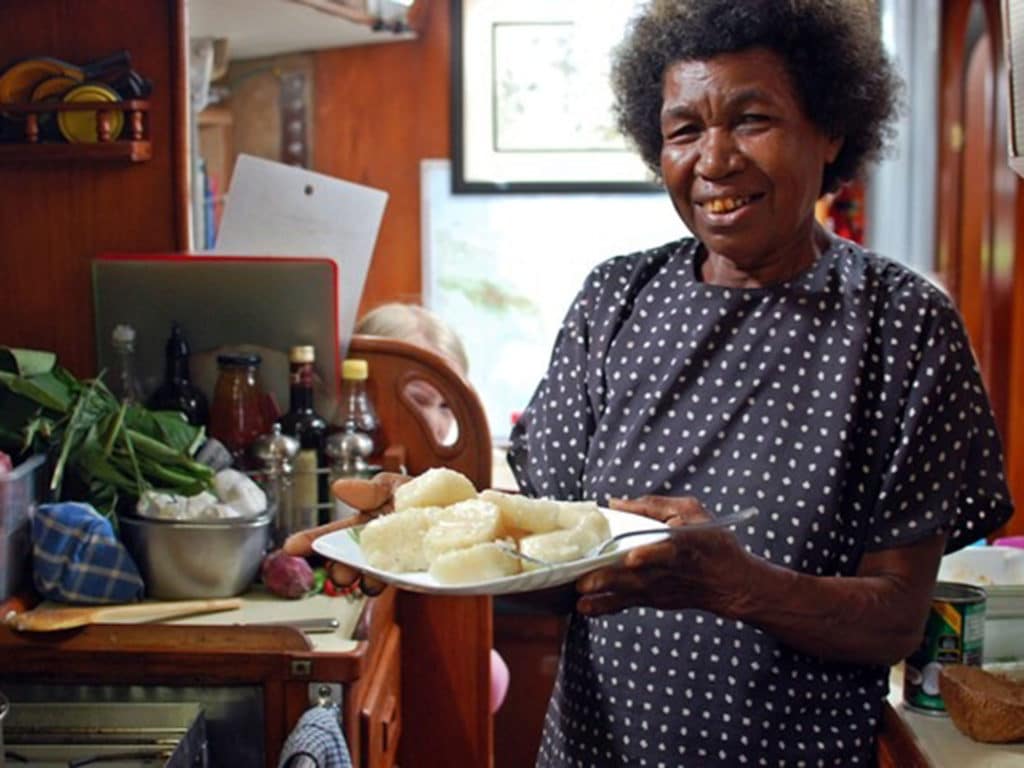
(281, 211)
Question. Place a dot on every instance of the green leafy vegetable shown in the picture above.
(109, 449)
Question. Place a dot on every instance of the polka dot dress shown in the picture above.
(845, 404)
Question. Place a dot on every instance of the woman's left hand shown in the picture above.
(705, 569)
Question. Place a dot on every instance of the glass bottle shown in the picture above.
(125, 382)
(309, 486)
(348, 452)
(236, 415)
(356, 433)
(177, 392)
(355, 410)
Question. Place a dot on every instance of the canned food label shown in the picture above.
(954, 634)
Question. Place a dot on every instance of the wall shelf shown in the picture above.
(131, 145)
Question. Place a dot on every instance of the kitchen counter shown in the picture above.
(259, 606)
(939, 741)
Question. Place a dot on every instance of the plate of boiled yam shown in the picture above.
(444, 537)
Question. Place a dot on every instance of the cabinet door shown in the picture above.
(380, 714)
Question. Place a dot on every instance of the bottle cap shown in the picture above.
(248, 359)
(353, 368)
(123, 334)
(303, 354)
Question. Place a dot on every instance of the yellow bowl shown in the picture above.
(80, 127)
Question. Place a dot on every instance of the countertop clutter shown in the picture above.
(999, 570)
(940, 742)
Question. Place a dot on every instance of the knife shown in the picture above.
(309, 626)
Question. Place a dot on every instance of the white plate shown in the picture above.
(343, 547)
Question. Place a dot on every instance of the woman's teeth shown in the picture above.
(726, 204)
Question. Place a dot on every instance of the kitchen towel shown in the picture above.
(316, 741)
(76, 558)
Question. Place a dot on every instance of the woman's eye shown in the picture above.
(684, 131)
(753, 118)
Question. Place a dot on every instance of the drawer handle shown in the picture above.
(390, 726)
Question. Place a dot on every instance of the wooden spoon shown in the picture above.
(52, 619)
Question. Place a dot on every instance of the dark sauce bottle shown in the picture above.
(177, 392)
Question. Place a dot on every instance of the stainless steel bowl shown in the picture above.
(194, 559)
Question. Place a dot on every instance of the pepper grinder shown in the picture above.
(348, 452)
(275, 452)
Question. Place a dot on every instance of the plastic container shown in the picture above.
(18, 498)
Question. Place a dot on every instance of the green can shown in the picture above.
(954, 634)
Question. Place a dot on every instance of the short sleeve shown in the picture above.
(549, 442)
(946, 469)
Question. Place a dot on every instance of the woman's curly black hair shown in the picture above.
(831, 49)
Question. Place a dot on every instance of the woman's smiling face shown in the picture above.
(743, 165)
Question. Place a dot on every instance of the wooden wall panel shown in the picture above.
(379, 110)
(980, 235)
(54, 219)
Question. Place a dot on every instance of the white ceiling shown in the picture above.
(256, 28)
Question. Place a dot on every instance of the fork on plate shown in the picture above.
(725, 521)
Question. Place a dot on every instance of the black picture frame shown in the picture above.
(541, 170)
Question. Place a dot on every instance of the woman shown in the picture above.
(762, 362)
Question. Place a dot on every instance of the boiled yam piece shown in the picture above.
(564, 545)
(984, 706)
(481, 562)
(571, 513)
(395, 542)
(592, 520)
(462, 525)
(438, 487)
(525, 514)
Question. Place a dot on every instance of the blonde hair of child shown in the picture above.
(405, 321)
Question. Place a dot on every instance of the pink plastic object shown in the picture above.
(499, 681)
(1010, 541)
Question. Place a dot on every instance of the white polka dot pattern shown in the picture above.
(845, 404)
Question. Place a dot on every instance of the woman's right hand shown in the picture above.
(370, 498)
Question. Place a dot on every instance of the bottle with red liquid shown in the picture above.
(237, 415)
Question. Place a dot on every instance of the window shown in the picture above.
(502, 270)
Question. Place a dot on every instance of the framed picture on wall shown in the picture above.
(531, 100)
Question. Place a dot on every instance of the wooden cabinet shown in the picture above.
(56, 216)
(279, 662)
(380, 711)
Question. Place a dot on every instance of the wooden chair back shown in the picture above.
(446, 641)
(392, 365)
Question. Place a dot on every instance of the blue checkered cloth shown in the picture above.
(316, 741)
(76, 558)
